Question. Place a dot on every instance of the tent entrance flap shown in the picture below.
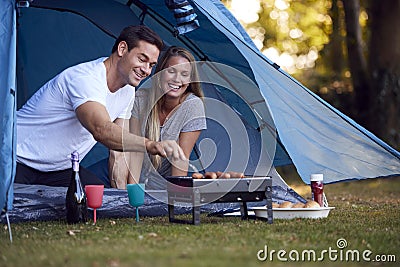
(8, 44)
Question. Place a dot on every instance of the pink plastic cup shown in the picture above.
(94, 194)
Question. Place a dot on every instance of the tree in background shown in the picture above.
(384, 69)
(348, 52)
(373, 56)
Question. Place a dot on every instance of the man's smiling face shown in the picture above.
(136, 64)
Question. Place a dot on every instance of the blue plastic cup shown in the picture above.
(136, 196)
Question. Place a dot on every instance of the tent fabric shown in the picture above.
(306, 131)
(7, 101)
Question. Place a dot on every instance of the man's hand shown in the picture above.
(167, 148)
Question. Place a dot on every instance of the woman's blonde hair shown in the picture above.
(156, 94)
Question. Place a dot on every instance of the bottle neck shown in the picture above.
(75, 166)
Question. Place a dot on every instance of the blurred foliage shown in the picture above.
(298, 36)
(300, 28)
(309, 40)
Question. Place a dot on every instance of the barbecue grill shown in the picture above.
(197, 192)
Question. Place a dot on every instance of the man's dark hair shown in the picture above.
(135, 33)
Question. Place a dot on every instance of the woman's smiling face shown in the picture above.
(175, 78)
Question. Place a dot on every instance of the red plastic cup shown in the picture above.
(94, 195)
(317, 188)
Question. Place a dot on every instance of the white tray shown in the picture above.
(291, 213)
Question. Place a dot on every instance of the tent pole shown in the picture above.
(9, 227)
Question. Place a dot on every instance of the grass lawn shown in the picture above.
(367, 217)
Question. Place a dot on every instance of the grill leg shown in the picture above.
(171, 210)
(196, 215)
(196, 207)
(243, 211)
(268, 196)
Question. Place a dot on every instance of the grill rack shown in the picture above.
(197, 192)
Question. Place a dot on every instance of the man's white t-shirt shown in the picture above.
(48, 130)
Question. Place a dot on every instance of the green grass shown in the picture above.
(366, 215)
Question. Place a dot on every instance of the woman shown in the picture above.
(172, 109)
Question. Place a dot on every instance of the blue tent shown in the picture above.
(8, 44)
(282, 121)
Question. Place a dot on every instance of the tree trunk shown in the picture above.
(336, 52)
(357, 63)
(384, 67)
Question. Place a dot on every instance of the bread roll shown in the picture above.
(275, 205)
(312, 204)
(286, 204)
(298, 205)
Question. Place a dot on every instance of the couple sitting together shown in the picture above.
(150, 132)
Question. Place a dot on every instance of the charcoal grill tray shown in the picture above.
(198, 192)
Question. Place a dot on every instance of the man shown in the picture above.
(85, 104)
